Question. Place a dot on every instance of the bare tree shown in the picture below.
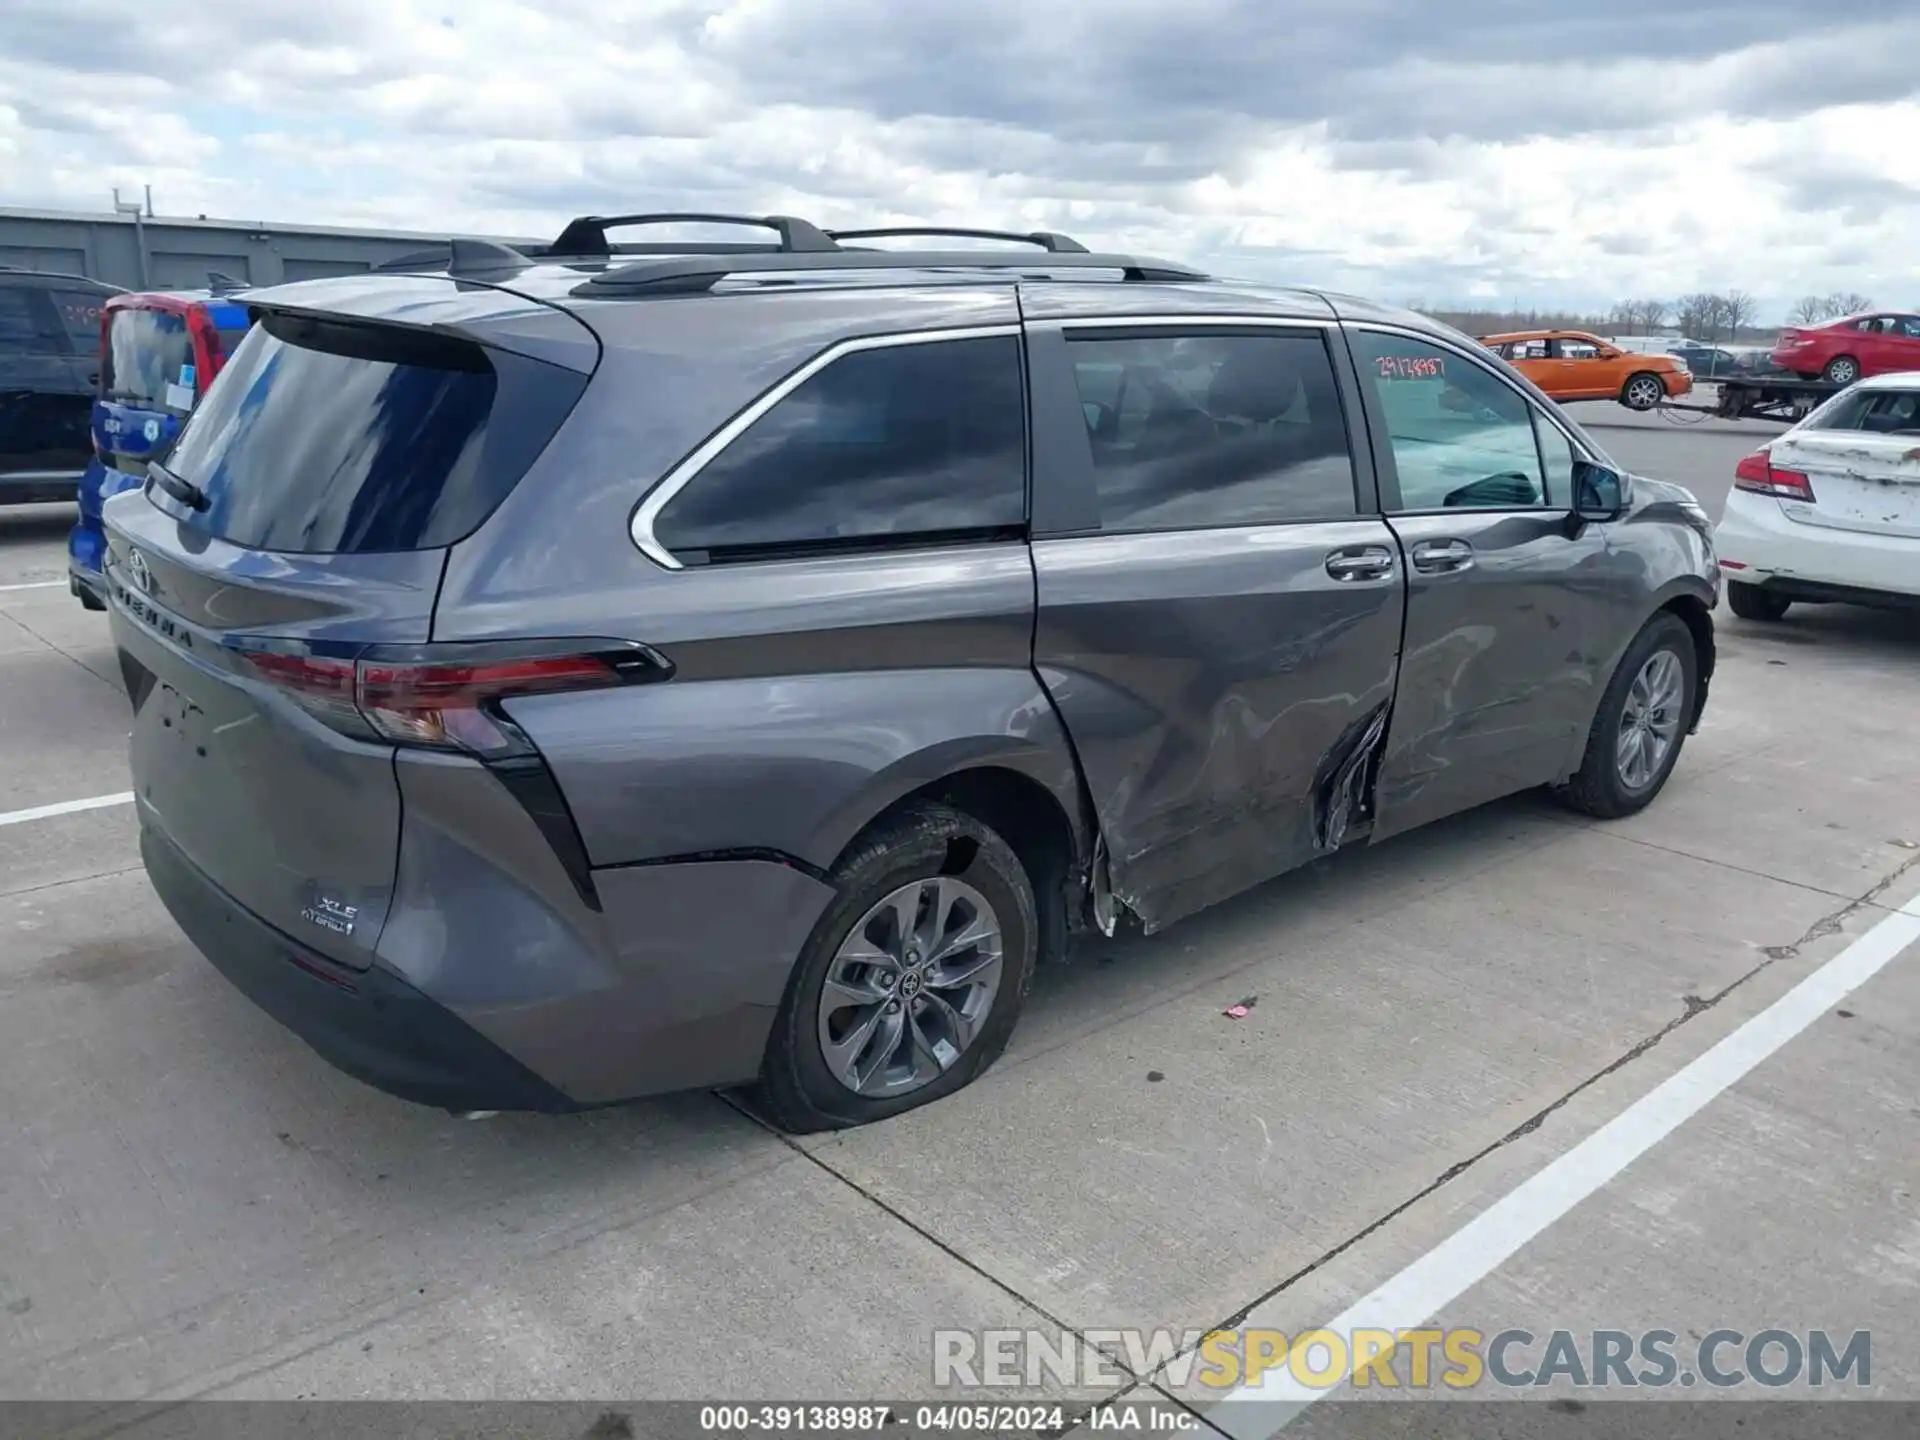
(1638, 316)
(1850, 302)
(1698, 315)
(1809, 310)
(1737, 308)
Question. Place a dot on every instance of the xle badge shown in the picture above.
(331, 915)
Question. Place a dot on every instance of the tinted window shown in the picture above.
(916, 440)
(20, 321)
(79, 312)
(146, 351)
(1210, 429)
(327, 437)
(1462, 439)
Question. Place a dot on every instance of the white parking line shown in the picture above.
(65, 807)
(34, 585)
(1470, 1254)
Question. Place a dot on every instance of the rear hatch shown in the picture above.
(295, 534)
(1861, 457)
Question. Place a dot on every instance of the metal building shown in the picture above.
(146, 252)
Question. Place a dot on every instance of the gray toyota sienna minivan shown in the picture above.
(565, 677)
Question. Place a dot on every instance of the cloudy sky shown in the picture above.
(1442, 151)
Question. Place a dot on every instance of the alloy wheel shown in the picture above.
(910, 987)
(1650, 720)
(1644, 393)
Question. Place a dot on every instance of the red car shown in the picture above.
(1844, 350)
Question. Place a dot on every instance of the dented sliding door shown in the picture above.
(1219, 613)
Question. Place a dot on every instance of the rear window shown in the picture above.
(146, 352)
(331, 437)
(1878, 412)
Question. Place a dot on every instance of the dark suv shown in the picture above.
(49, 370)
(570, 679)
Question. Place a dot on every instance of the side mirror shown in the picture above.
(1598, 493)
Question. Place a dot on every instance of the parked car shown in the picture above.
(159, 351)
(1572, 365)
(555, 683)
(49, 340)
(1841, 351)
(1830, 510)
(1710, 362)
(1654, 344)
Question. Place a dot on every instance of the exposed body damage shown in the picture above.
(1343, 799)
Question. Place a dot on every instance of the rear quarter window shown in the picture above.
(900, 444)
(329, 437)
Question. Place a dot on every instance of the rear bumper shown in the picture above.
(368, 1023)
(1758, 545)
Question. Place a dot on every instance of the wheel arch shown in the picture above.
(1690, 599)
(1041, 811)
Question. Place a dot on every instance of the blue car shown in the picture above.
(159, 351)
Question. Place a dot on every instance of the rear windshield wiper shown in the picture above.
(180, 488)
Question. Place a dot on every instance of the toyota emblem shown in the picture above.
(137, 568)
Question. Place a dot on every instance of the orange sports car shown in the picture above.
(1572, 365)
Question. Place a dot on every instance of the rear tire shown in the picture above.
(800, 1089)
(1602, 786)
(1753, 602)
(1643, 391)
(1841, 370)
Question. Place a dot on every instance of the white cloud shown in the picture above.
(1389, 146)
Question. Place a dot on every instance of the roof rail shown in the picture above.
(1045, 239)
(695, 274)
(587, 235)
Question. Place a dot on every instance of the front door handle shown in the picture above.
(1442, 557)
(1363, 562)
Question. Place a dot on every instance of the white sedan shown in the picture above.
(1830, 510)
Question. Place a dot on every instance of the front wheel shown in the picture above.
(1641, 724)
(1754, 602)
(1642, 391)
(911, 982)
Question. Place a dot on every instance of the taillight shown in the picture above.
(444, 697)
(206, 345)
(1758, 474)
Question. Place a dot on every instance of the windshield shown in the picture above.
(146, 353)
